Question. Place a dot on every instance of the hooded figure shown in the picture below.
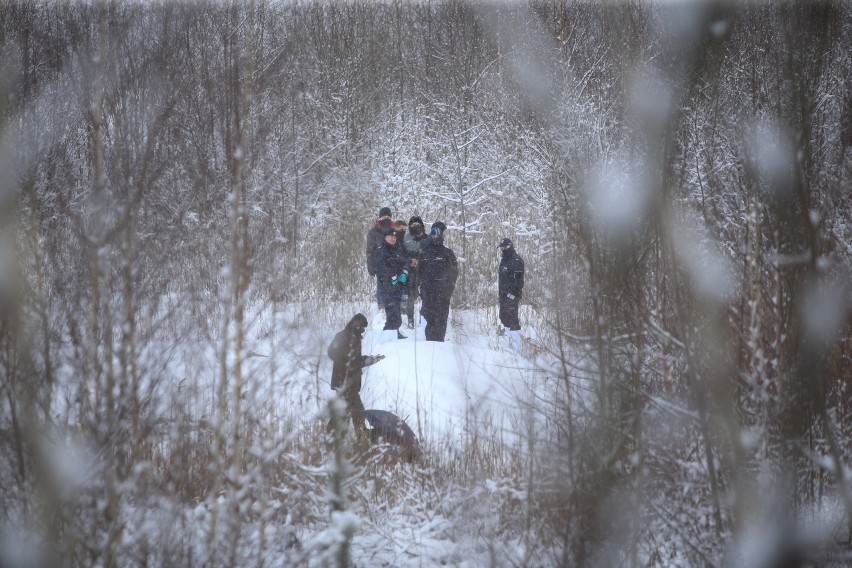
(391, 265)
(375, 237)
(413, 239)
(345, 352)
(510, 285)
(439, 271)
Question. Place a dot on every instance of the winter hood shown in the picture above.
(437, 232)
(414, 230)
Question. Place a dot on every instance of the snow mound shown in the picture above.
(445, 389)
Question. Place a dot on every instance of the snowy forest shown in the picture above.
(185, 190)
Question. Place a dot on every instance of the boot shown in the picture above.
(399, 335)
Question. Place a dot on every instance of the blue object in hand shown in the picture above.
(403, 277)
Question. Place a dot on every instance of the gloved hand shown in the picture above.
(394, 280)
(403, 277)
(510, 296)
(372, 359)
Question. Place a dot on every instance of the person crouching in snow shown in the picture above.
(391, 264)
(510, 285)
(345, 351)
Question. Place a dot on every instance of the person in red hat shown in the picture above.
(375, 238)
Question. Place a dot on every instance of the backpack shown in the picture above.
(337, 346)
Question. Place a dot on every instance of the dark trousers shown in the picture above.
(391, 296)
(509, 313)
(437, 312)
(379, 298)
(393, 319)
(355, 409)
(413, 290)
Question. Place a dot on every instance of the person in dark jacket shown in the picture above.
(391, 265)
(345, 351)
(412, 241)
(375, 238)
(439, 270)
(510, 285)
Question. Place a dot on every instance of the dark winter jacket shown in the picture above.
(389, 261)
(375, 238)
(439, 270)
(345, 351)
(511, 274)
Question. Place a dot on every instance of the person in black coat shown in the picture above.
(510, 285)
(391, 264)
(375, 237)
(438, 271)
(345, 352)
(413, 240)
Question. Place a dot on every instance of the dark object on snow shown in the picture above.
(393, 429)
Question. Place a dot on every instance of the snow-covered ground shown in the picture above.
(442, 390)
(468, 389)
(447, 392)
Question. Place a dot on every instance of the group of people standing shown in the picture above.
(409, 263)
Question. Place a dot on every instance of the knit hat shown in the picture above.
(506, 243)
(384, 212)
(437, 232)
